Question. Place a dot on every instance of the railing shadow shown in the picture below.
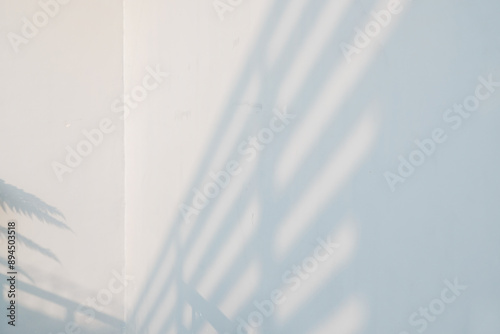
(274, 202)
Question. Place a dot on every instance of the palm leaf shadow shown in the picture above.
(19, 201)
(31, 244)
(27, 204)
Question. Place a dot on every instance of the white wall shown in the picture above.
(418, 256)
(59, 83)
(323, 175)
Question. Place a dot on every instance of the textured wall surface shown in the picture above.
(61, 66)
(264, 166)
